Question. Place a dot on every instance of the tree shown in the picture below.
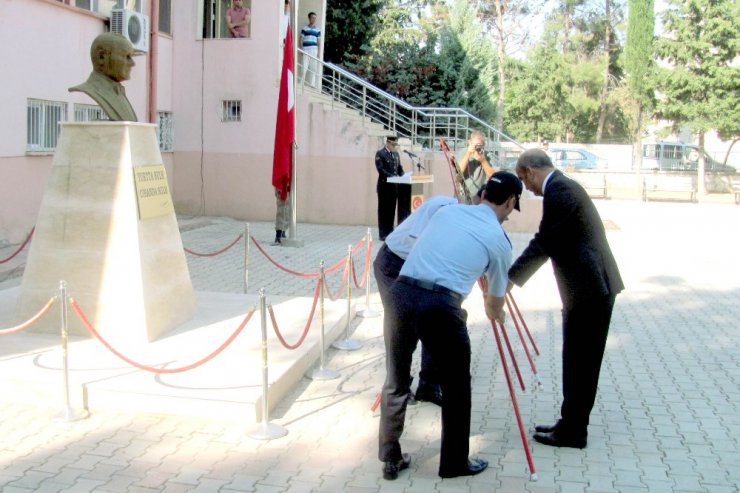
(700, 89)
(639, 66)
(350, 25)
(504, 18)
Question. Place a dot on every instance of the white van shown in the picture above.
(677, 156)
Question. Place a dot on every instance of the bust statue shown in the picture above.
(112, 58)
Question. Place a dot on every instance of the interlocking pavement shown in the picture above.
(667, 415)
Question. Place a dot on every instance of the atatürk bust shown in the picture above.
(112, 58)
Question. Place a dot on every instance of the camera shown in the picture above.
(479, 148)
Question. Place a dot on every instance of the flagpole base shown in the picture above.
(288, 242)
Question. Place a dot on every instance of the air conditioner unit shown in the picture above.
(133, 26)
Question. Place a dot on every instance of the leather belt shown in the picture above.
(430, 286)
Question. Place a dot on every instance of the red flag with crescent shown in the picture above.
(285, 125)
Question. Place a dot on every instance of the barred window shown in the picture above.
(165, 130)
(42, 124)
(89, 113)
(232, 111)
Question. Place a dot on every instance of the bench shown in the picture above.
(666, 187)
(595, 185)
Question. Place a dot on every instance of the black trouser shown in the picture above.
(387, 198)
(386, 267)
(585, 329)
(440, 322)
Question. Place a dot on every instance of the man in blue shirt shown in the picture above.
(461, 243)
(387, 266)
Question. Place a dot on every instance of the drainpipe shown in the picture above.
(153, 59)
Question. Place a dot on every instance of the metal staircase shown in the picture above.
(422, 126)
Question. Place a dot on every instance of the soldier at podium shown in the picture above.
(391, 196)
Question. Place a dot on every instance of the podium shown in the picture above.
(418, 190)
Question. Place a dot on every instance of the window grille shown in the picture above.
(89, 113)
(165, 130)
(42, 124)
(232, 111)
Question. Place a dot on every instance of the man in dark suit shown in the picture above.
(572, 235)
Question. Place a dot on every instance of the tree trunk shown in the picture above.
(637, 140)
(501, 65)
(702, 164)
(605, 86)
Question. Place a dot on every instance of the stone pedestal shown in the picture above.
(128, 274)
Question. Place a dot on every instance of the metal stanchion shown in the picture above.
(68, 413)
(322, 373)
(246, 258)
(265, 430)
(348, 344)
(368, 311)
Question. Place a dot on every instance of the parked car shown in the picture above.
(677, 156)
(576, 158)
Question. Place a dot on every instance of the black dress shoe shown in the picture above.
(545, 428)
(392, 468)
(559, 439)
(435, 397)
(475, 466)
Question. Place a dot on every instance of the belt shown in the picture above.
(430, 286)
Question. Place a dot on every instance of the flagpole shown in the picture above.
(292, 239)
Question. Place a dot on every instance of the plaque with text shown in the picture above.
(152, 191)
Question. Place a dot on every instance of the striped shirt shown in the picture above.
(310, 35)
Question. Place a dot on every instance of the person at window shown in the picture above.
(475, 164)
(237, 18)
(310, 44)
(112, 59)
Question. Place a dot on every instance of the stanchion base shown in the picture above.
(368, 312)
(292, 243)
(267, 431)
(347, 345)
(533, 477)
(70, 415)
(323, 374)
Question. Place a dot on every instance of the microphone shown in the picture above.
(411, 154)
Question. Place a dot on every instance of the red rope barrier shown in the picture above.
(218, 252)
(20, 248)
(152, 369)
(303, 274)
(368, 252)
(308, 324)
(327, 290)
(28, 323)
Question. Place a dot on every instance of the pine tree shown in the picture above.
(639, 66)
(701, 87)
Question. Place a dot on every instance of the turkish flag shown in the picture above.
(285, 125)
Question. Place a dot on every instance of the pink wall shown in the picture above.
(335, 153)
